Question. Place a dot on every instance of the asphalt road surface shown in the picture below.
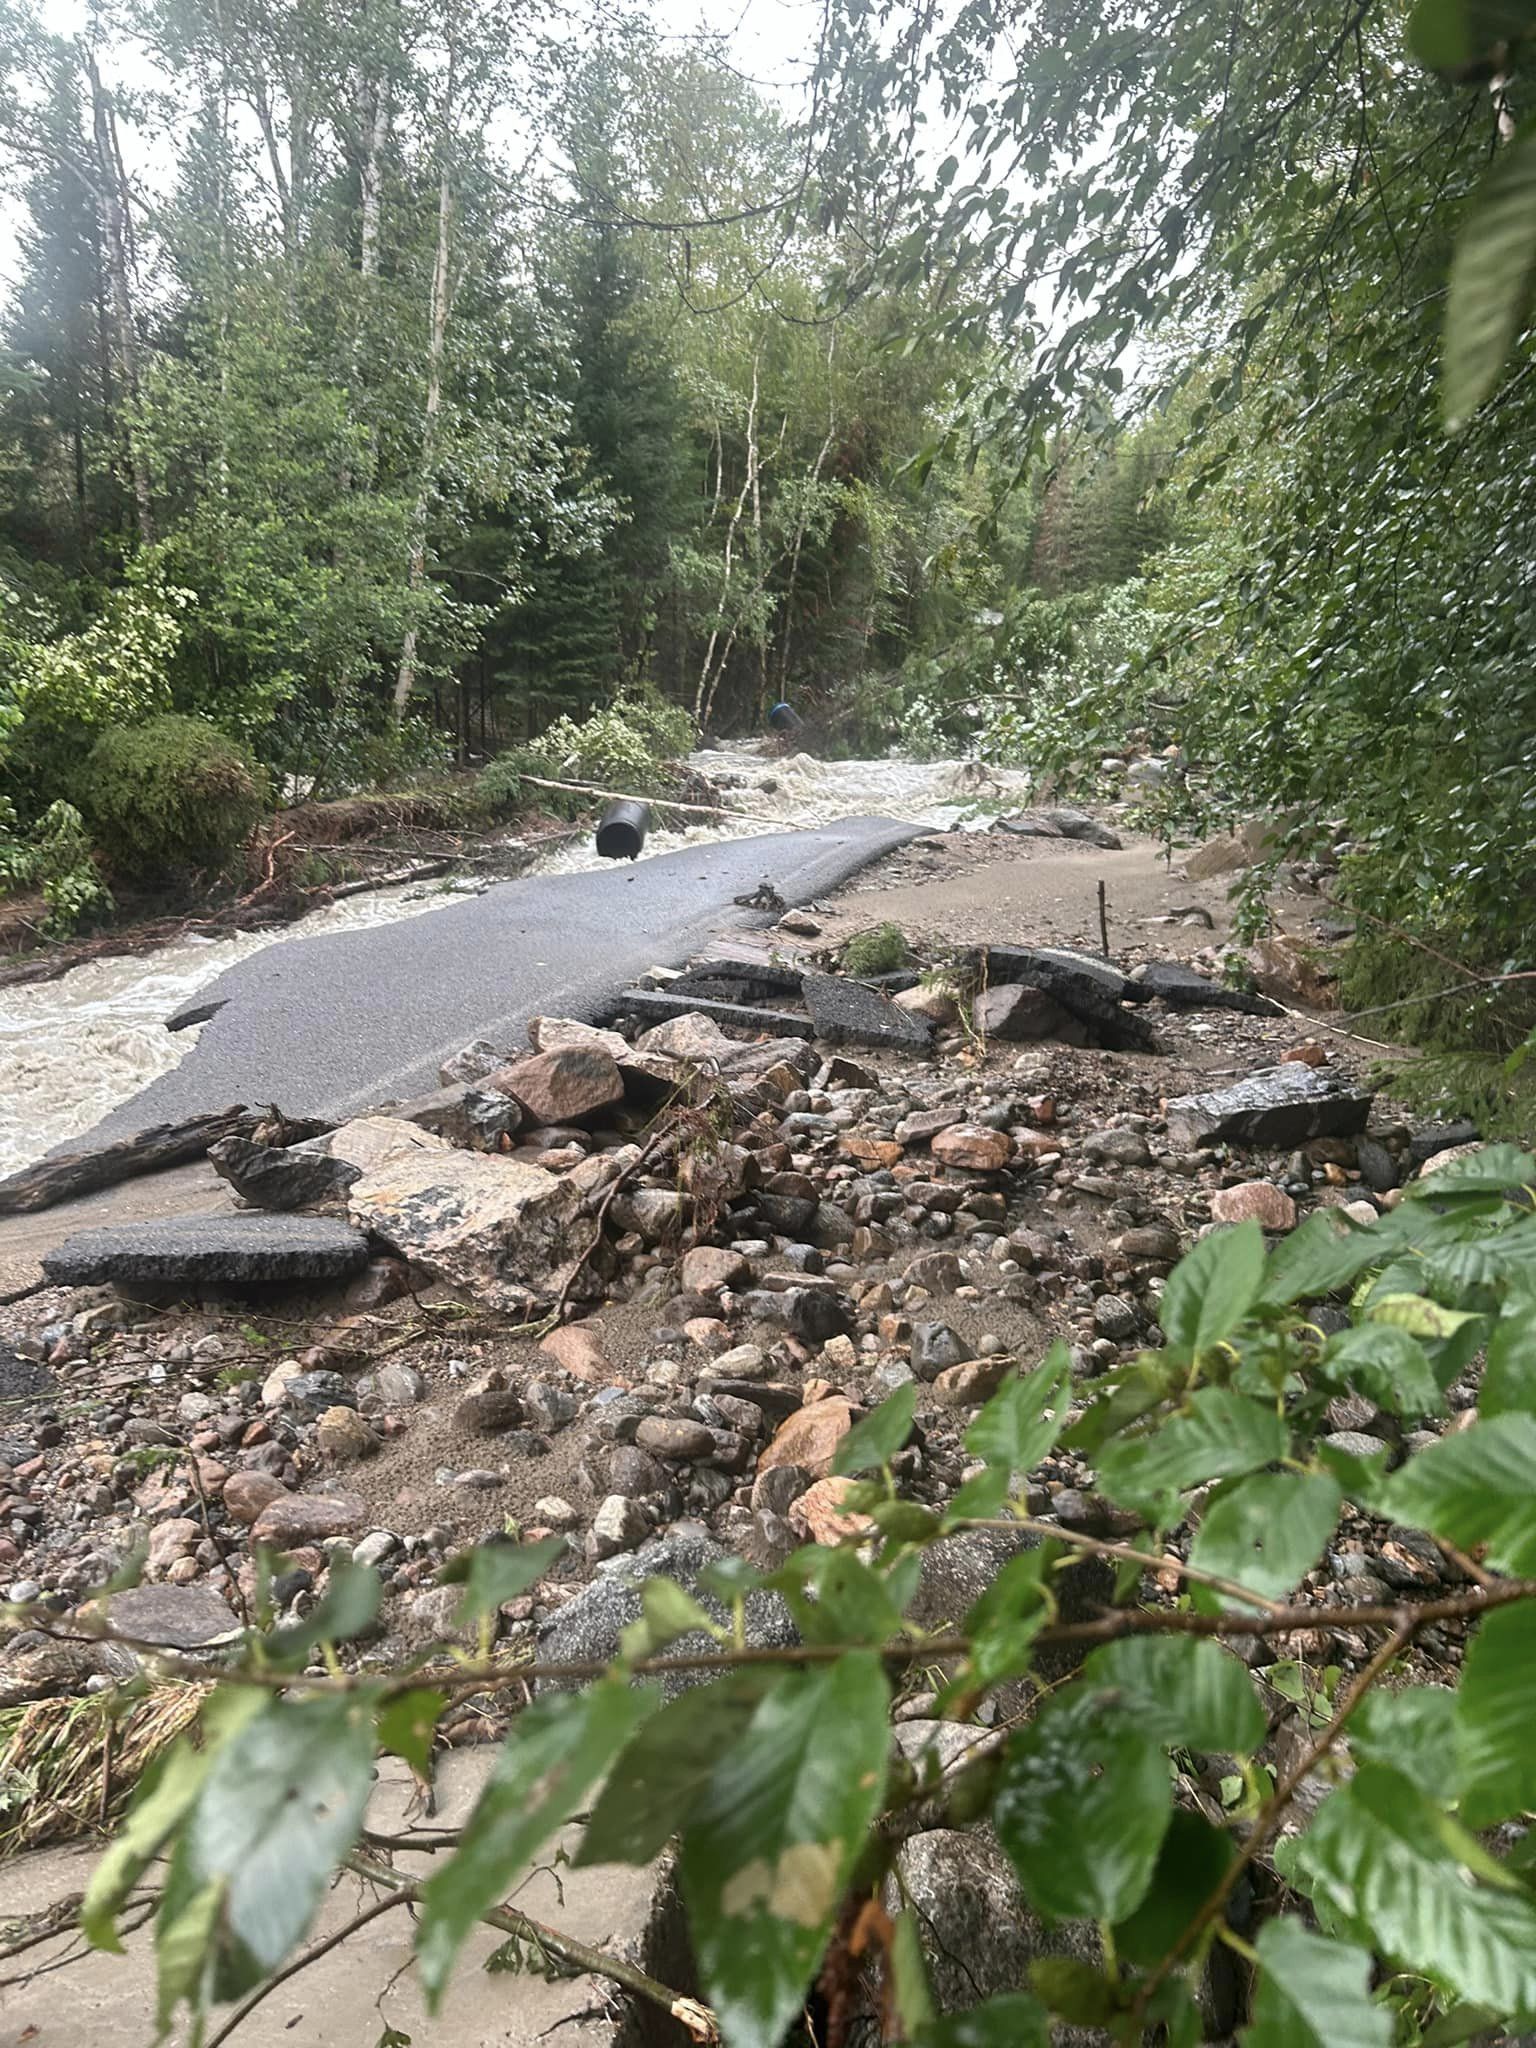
(329, 1026)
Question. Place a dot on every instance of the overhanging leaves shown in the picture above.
(1213, 1287)
(551, 1758)
(770, 1845)
(1082, 1804)
(1023, 1419)
(1314, 1993)
(1267, 1532)
(1493, 1718)
(1182, 1690)
(877, 1439)
(1376, 1852)
(1474, 1488)
(1220, 1435)
(283, 1803)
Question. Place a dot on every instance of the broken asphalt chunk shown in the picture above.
(1182, 989)
(191, 1251)
(847, 1013)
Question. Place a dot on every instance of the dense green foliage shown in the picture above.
(172, 793)
(324, 420)
(1220, 243)
(1397, 1918)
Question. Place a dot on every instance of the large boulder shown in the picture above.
(1282, 1106)
(587, 1629)
(491, 1225)
(564, 1086)
(978, 1932)
(208, 1251)
(369, 1142)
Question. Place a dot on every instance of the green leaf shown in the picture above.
(1267, 1532)
(876, 1440)
(1509, 1375)
(551, 1758)
(1011, 2020)
(1023, 1419)
(495, 1572)
(185, 1938)
(162, 1799)
(1474, 1488)
(1323, 1253)
(1190, 1864)
(1493, 1718)
(1378, 1854)
(1418, 1315)
(1360, 1478)
(1081, 1807)
(283, 1803)
(351, 1603)
(1074, 1989)
(770, 1848)
(1455, 36)
(980, 1498)
(1220, 1435)
(1386, 1365)
(1495, 1167)
(1413, 1730)
(407, 1724)
(1213, 1287)
(667, 1611)
(1314, 1993)
(1183, 1690)
(911, 2000)
(653, 1787)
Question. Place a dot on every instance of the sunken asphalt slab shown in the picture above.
(330, 1026)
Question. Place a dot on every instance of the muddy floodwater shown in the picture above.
(72, 1049)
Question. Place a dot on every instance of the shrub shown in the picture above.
(627, 747)
(169, 795)
(55, 856)
(880, 950)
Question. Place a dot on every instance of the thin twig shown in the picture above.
(698, 2019)
(1125, 1553)
(461, 1680)
(312, 1954)
(1272, 1812)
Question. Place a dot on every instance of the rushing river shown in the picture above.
(72, 1049)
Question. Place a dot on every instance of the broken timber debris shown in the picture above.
(81, 1173)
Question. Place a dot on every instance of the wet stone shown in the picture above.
(1285, 1105)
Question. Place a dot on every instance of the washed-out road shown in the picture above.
(329, 1026)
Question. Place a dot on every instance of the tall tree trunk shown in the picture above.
(710, 673)
(116, 240)
(375, 131)
(416, 570)
(804, 520)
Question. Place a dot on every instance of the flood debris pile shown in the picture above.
(634, 1285)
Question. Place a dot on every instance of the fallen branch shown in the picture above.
(462, 1679)
(81, 1173)
(659, 803)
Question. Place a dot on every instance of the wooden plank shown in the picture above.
(81, 1173)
